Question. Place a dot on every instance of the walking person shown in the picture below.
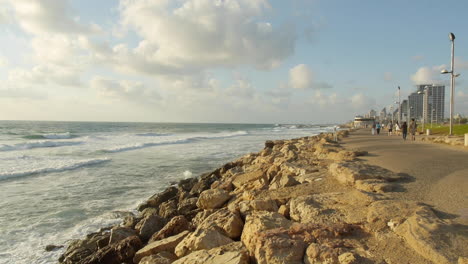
(377, 127)
(404, 130)
(390, 128)
(397, 128)
(373, 128)
(412, 129)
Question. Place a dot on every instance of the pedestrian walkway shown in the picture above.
(439, 173)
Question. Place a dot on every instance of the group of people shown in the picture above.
(395, 128)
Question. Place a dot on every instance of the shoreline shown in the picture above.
(304, 200)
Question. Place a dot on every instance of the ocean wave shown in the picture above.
(55, 167)
(188, 139)
(38, 144)
(152, 134)
(66, 135)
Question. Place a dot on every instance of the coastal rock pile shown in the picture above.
(305, 200)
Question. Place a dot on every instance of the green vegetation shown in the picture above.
(444, 130)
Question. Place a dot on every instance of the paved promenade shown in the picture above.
(439, 173)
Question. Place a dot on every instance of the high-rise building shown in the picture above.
(383, 114)
(434, 112)
(435, 103)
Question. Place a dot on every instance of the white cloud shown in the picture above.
(302, 77)
(426, 75)
(123, 90)
(198, 34)
(362, 102)
(3, 61)
(47, 17)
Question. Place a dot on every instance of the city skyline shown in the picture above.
(232, 61)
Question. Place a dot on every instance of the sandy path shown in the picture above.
(439, 173)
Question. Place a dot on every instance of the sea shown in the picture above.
(62, 180)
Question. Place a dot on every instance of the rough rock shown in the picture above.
(120, 233)
(49, 248)
(168, 209)
(187, 205)
(187, 184)
(149, 225)
(248, 177)
(281, 181)
(229, 222)
(347, 258)
(349, 172)
(259, 221)
(276, 246)
(204, 183)
(201, 216)
(212, 199)
(80, 249)
(201, 239)
(166, 244)
(248, 206)
(175, 226)
(233, 253)
(163, 257)
(317, 253)
(159, 198)
(120, 252)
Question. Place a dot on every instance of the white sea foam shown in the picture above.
(38, 144)
(170, 141)
(187, 174)
(33, 166)
(152, 134)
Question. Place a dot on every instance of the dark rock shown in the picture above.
(204, 183)
(168, 209)
(187, 206)
(80, 249)
(130, 221)
(52, 247)
(149, 225)
(228, 166)
(120, 233)
(187, 184)
(269, 144)
(177, 225)
(159, 198)
(121, 252)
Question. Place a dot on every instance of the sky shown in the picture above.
(227, 61)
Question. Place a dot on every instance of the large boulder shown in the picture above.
(248, 206)
(175, 226)
(275, 246)
(149, 225)
(201, 239)
(204, 183)
(163, 257)
(186, 206)
(120, 233)
(212, 199)
(166, 244)
(259, 221)
(157, 199)
(233, 253)
(81, 249)
(120, 252)
(229, 222)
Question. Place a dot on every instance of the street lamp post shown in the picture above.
(452, 80)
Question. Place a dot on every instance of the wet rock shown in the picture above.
(80, 249)
(234, 253)
(52, 247)
(129, 221)
(187, 184)
(158, 199)
(120, 252)
(149, 225)
(166, 244)
(269, 144)
(187, 205)
(120, 233)
(175, 226)
(212, 199)
(201, 239)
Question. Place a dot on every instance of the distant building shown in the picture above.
(435, 103)
(372, 113)
(404, 111)
(383, 114)
(415, 103)
(362, 122)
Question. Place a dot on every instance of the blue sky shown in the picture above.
(255, 61)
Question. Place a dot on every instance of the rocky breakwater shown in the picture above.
(305, 200)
